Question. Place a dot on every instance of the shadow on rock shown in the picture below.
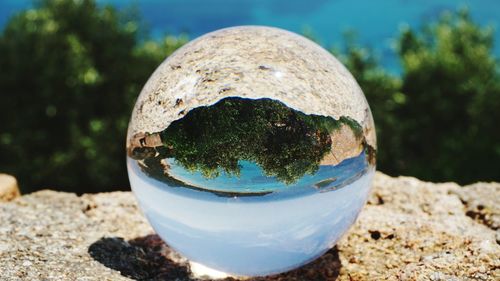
(140, 259)
(147, 258)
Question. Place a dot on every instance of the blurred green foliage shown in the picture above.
(71, 71)
(437, 120)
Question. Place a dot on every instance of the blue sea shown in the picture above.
(253, 179)
(375, 22)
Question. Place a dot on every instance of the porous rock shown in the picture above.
(9, 189)
(250, 62)
(409, 230)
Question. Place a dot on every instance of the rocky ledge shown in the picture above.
(409, 230)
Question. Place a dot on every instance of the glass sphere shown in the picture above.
(251, 150)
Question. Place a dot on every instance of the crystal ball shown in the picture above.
(251, 150)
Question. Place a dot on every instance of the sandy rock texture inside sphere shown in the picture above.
(251, 150)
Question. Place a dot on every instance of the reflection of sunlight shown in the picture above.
(202, 272)
(185, 88)
(278, 74)
(305, 232)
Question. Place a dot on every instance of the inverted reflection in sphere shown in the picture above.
(251, 150)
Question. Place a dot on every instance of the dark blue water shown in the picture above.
(376, 22)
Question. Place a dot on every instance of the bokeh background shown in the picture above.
(70, 71)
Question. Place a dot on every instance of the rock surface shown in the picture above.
(346, 144)
(409, 230)
(9, 190)
(250, 62)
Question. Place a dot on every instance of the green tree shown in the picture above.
(383, 93)
(436, 121)
(452, 85)
(284, 142)
(70, 73)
